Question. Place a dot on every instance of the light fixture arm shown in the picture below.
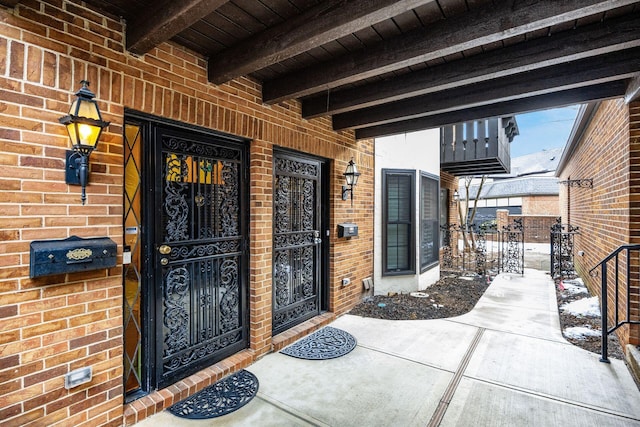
(83, 175)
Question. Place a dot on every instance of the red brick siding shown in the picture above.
(51, 325)
(537, 228)
(541, 205)
(607, 214)
(634, 215)
(451, 183)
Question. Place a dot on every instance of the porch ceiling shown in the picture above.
(388, 66)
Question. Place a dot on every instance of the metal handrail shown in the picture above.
(604, 295)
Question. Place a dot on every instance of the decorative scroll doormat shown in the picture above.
(326, 343)
(225, 396)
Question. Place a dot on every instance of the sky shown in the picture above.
(543, 130)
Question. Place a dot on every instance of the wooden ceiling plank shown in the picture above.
(9, 3)
(440, 39)
(166, 21)
(407, 21)
(583, 42)
(633, 90)
(590, 71)
(328, 21)
(524, 105)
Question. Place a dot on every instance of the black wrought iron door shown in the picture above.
(199, 257)
(297, 241)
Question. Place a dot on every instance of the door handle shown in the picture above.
(316, 237)
(164, 249)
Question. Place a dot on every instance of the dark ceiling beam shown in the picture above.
(165, 21)
(613, 89)
(438, 40)
(328, 21)
(582, 42)
(9, 3)
(584, 72)
(633, 90)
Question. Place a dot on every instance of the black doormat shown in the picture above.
(327, 343)
(225, 396)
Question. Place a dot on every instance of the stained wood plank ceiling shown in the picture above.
(389, 66)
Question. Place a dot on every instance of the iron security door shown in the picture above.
(199, 257)
(297, 243)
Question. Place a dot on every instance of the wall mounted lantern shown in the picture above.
(351, 176)
(456, 196)
(84, 124)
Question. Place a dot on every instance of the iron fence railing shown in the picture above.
(630, 261)
(484, 250)
(562, 241)
(512, 247)
(469, 249)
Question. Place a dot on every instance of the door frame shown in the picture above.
(325, 211)
(151, 301)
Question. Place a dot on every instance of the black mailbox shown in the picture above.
(71, 255)
(347, 229)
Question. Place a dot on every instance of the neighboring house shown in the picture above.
(599, 194)
(529, 190)
(407, 212)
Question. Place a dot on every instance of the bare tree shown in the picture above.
(466, 218)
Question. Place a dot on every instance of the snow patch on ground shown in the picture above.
(585, 307)
(581, 332)
(575, 286)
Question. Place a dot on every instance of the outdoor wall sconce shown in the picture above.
(84, 124)
(456, 196)
(351, 176)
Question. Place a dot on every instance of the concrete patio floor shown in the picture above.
(503, 364)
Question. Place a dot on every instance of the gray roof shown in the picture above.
(545, 161)
(531, 175)
(515, 187)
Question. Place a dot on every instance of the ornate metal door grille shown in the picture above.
(512, 247)
(296, 241)
(199, 254)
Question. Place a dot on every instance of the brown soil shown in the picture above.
(592, 344)
(455, 295)
(448, 297)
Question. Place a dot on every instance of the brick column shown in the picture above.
(261, 232)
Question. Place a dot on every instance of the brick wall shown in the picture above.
(451, 183)
(541, 205)
(51, 325)
(606, 214)
(537, 228)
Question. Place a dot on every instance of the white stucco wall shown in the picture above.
(417, 151)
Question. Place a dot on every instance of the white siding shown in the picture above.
(417, 151)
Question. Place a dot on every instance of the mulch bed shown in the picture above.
(455, 295)
(448, 297)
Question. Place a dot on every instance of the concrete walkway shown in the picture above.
(503, 364)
